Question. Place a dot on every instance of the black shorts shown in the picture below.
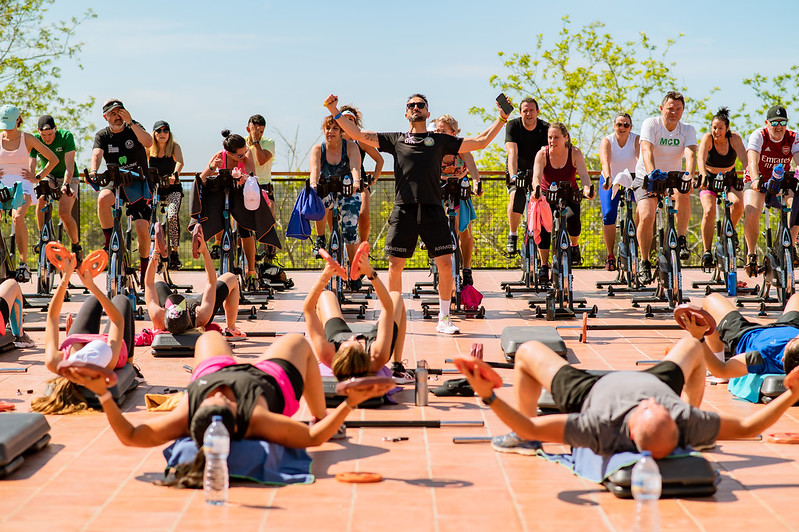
(733, 326)
(5, 313)
(337, 331)
(519, 198)
(570, 386)
(408, 222)
(222, 291)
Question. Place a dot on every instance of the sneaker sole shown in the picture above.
(524, 451)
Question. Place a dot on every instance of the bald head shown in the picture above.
(652, 429)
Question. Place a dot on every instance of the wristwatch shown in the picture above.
(490, 399)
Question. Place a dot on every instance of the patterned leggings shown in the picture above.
(173, 222)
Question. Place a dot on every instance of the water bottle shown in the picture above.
(346, 186)
(646, 484)
(778, 171)
(465, 188)
(774, 184)
(421, 383)
(216, 446)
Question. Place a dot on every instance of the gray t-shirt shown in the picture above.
(602, 423)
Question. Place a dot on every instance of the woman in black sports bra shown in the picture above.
(718, 152)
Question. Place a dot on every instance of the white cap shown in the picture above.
(96, 352)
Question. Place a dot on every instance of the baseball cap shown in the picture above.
(112, 104)
(777, 111)
(8, 116)
(160, 124)
(45, 122)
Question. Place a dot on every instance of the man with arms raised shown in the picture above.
(417, 186)
(664, 142)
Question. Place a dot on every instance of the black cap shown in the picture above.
(160, 124)
(111, 105)
(777, 111)
(45, 122)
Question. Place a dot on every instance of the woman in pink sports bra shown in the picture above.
(15, 167)
(83, 342)
(254, 400)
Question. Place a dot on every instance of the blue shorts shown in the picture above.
(609, 204)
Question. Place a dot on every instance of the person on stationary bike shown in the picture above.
(524, 138)
(124, 142)
(557, 162)
(207, 206)
(665, 141)
(176, 313)
(64, 176)
(768, 146)
(337, 157)
(718, 152)
(15, 148)
(166, 156)
(460, 166)
(617, 152)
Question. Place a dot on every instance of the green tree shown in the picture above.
(584, 79)
(782, 89)
(31, 48)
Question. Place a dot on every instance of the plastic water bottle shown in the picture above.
(465, 188)
(346, 185)
(646, 484)
(216, 446)
(778, 171)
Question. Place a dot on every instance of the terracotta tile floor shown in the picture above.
(86, 480)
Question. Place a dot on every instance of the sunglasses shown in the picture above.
(239, 155)
(360, 337)
(162, 130)
(417, 105)
(775, 123)
(623, 124)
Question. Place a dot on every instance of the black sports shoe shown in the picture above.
(467, 277)
(645, 272)
(320, 244)
(356, 284)
(707, 260)
(510, 248)
(577, 258)
(78, 251)
(684, 252)
(174, 261)
(543, 275)
(214, 252)
(751, 266)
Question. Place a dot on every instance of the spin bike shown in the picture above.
(159, 205)
(627, 278)
(120, 275)
(725, 272)
(339, 187)
(778, 265)
(7, 270)
(559, 301)
(46, 271)
(531, 261)
(454, 190)
(669, 272)
(222, 183)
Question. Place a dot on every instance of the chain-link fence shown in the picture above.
(490, 229)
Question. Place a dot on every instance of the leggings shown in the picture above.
(91, 312)
(573, 225)
(172, 220)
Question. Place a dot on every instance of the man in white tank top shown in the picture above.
(665, 141)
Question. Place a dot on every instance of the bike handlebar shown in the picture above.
(113, 175)
(660, 182)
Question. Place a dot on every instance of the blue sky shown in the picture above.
(206, 66)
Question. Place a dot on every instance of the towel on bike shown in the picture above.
(539, 215)
(137, 191)
(207, 207)
(17, 198)
(299, 227)
(467, 214)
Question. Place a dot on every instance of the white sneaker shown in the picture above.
(716, 380)
(445, 326)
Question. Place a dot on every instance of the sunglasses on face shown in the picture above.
(359, 337)
(239, 155)
(162, 130)
(417, 105)
(775, 123)
(623, 124)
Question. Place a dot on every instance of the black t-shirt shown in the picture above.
(529, 142)
(121, 148)
(417, 164)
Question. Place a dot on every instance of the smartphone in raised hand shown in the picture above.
(503, 102)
